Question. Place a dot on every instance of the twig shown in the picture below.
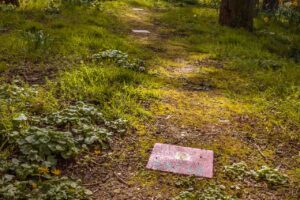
(94, 162)
(99, 182)
(260, 152)
(120, 179)
(106, 178)
(92, 184)
(94, 191)
(267, 159)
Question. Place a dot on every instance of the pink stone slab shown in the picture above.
(181, 160)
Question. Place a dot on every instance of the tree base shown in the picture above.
(237, 13)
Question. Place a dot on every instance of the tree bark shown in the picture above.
(237, 13)
(13, 2)
(270, 5)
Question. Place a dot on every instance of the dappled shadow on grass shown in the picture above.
(250, 70)
(234, 77)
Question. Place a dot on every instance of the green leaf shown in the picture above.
(30, 138)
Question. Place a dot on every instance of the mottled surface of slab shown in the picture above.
(181, 160)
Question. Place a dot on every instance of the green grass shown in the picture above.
(75, 33)
(30, 35)
(120, 92)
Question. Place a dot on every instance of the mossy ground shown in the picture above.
(206, 86)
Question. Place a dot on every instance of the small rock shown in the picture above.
(117, 191)
(224, 121)
(140, 31)
(137, 9)
(168, 117)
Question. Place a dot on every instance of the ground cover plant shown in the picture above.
(41, 140)
(83, 99)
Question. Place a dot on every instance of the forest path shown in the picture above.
(191, 112)
(123, 174)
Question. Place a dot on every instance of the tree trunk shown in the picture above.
(237, 13)
(270, 5)
(13, 2)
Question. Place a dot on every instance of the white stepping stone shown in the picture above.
(140, 31)
(137, 9)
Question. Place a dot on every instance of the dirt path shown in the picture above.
(120, 173)
(190, 113)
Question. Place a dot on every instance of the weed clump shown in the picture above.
(41, 141)
(64, 134)
(210, 193)
(240, 170)
(185, 195)
(120, 58)
(55, 188)
(236, 170)
(271, 176)
(215, 192)
(37, 40)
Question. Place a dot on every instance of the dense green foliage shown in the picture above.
(42, 140)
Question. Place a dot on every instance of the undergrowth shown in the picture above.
(209, 193)
(33, 145)
(240, 171)
(237, 171)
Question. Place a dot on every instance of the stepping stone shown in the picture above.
(137, 9)
(181, 160)
(141, 31)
